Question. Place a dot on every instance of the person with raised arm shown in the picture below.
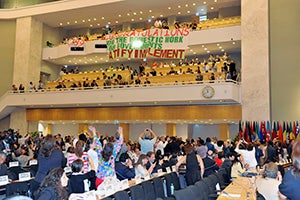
(106, 155)
(147, 139)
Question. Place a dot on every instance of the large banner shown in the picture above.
(157, 43)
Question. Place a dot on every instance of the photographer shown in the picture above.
(158, 162)
(147, 139)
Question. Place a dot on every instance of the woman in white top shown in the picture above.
(248, 154)
(140, 167)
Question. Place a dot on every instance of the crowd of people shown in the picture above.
(93, 158)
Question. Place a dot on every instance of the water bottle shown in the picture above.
(172, 188)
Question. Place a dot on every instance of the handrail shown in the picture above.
(122, 86)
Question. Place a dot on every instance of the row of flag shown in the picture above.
(264, 131)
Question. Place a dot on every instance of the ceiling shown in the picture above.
(130, 11)
(97, 58)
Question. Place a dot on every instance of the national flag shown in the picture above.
(240, 130)
(292, 133)
(274, 133)
(280, 134)
(284, 133)
(268, 134)
(246, 136)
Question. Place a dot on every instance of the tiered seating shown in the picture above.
(219, 22)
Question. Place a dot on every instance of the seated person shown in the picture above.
(268, 184)
(199, 77)
(26, 155)
(140, 167)
(124, 168)
(237, 167)
(3, 167)
(210, 166)
(79, 179)
(152, 160)
(172, 71)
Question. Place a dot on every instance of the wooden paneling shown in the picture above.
(224, 132)
(171, 129)
(138, 113)
(126, 131)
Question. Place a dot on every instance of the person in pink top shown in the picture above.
(79, 154)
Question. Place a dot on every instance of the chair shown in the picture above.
(109, 198)
(158, 185)
(14, 172)
(137, 193)
(121, 195)
(148, 190)
(184, 194)
(201, 185)
(197, 192)
(172, 178)
(17, 188)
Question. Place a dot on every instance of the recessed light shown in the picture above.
(95, 19)
(134, 13)
(75, 22)
(117, 22)
(233, 42)
(179, 13)
(141, 12)
(204, 2)
(83, 20)
(186, 5)
(220, 47)
(218, 44)
(208, 51)
(108, 22)
(98, 24)
(222, 50)
(60, 24)
(152, 16)
(132, 20)
(202, 45)
(161, 15)
(128, 14)
(179, 6)
(68, 22)
(212, 7)
(194, 4)
(120, 15)
(169, 8)
(102, 17)
(150, 11)
(205, 48)
(141, 18)
(194, 52)
(91, 25)
(89, 20)
(188, 11)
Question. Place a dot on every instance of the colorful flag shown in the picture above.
(280, 135)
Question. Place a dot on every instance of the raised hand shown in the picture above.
(92, 129)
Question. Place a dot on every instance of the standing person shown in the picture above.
(248, 154)
(147, 139)
(193, 161)
(289, 187)
(53, 186)
(106, 155)
(49, 157)
(79, 154)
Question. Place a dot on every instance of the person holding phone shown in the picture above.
(147, 139)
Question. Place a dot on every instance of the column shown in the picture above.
(171, 130)
(28, 51)
(83, 127)
(255, 60)
(49, 129)
(18, 121)
(223, 132)
(126, 131)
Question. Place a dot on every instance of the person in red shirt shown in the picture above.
(219, 159)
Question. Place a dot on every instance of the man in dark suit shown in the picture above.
(124, 168)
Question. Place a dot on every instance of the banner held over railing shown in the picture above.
(158, 43)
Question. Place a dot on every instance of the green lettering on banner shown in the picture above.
(147, 43)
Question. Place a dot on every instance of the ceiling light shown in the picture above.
(132, 20)
(120, 15)
(179, 13)
(194, 52)
(106, 61)
(117, 22)
(102, 17)
(194, 4)
(197, 14)
(222, 50)
(60, 24)
(141, 18)
(179, 6)
(216, 1)
(75, 63)
(208, 51)
(220, 47)
(218, 44)
(69, 60)
(169, 8)
(95, 19)
(202, 45)
(68, 22)
(212, 8)
(150, 11)
(152, 16)
(89, 20)
(141, 12)
(188, 11)
(134, 13)
(205, 48)
(98, 24)
(91, 25)
(149, 20)
(161, 15)
(108, 22)
(186, 5)
(202, 9)
(75, 22)
(83, 20)
(204, 2)
(96, 61)
(128, 14)
(233, 42)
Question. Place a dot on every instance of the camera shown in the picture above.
(147, 129)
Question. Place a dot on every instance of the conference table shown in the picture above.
(243, 188)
